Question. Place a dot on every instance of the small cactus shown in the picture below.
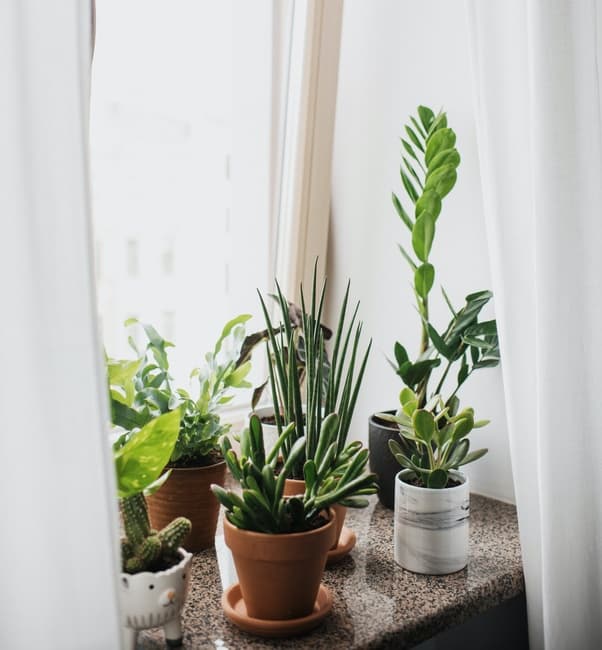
(144, 549)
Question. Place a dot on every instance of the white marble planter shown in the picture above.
(431, 526)
(154, 600)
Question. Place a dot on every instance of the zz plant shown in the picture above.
(262, 508)
(329, 387)
(139, 463)
(434, 439)
(428, 173)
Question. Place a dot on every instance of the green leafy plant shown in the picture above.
(262, 508)
(139, 463)
(434, 439)
(428, 173)
(329, 388)
(142, 389)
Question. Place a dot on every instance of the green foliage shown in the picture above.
(142, 389)
(428, 174)
(329, 388)
(433, 439)
(262, 508)
(139, 461)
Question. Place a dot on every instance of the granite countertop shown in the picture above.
(377, 604)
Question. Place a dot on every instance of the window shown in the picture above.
(185, 121)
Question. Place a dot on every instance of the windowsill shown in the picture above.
(376, 603)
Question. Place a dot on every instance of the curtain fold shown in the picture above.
(537, 96)
(57, 500)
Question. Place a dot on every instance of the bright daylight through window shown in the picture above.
(182, 186)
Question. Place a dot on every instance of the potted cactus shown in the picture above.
(428, 173)
(155, 568)
(280, 544)
(331, 387)
(432, 498)
(143, 388)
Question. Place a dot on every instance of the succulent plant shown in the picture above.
(329, 388)
(434, 439)
(139, 463)
(262, 508)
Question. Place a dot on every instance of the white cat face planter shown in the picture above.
(154, 600)
(431, 526)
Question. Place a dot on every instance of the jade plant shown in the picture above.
(434, 439)
(262, 508)
(329, 387)
(428, 173)
(142, 389)
(139, 463)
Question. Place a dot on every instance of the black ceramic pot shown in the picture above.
(382, 461)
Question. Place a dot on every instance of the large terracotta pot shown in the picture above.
(280, 575)
(187, 493)
(293, 486)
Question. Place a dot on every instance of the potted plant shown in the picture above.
(432, 498)
(143, 388)
(155, 568)
(330, 387)
(279, 544)
(428, 173)
(266, 412)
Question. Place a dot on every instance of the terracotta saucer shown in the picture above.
(236, 611)
(347, 541)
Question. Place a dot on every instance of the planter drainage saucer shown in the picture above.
(236, 611)
(347, 541)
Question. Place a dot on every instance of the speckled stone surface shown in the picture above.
(377, 604)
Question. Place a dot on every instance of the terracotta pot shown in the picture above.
(280, 575)
(186, 493)
(293, 486)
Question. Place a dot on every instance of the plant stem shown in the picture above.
(443, 376)
(424, 344)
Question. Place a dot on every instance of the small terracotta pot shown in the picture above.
(280, 575)
(293, 487)
(186, 493)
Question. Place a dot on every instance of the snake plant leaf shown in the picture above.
(424, 278)
(441, 140)
(423, 235)
(440, 345)
(424, 424)
(437, 479)
(463, 372)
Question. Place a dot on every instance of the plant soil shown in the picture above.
(417, 482)
(162, 564)
(204, 461)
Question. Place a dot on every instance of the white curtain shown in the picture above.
(537, 90)
(57, 504)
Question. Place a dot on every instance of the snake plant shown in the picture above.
(329, 387)
(262, 507)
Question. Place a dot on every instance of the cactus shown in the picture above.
(144, 549)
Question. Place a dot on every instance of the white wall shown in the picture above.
(395, 55)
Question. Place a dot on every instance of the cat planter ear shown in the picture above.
(125, 582)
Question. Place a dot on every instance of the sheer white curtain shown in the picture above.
(57, 503)
(537, 82)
